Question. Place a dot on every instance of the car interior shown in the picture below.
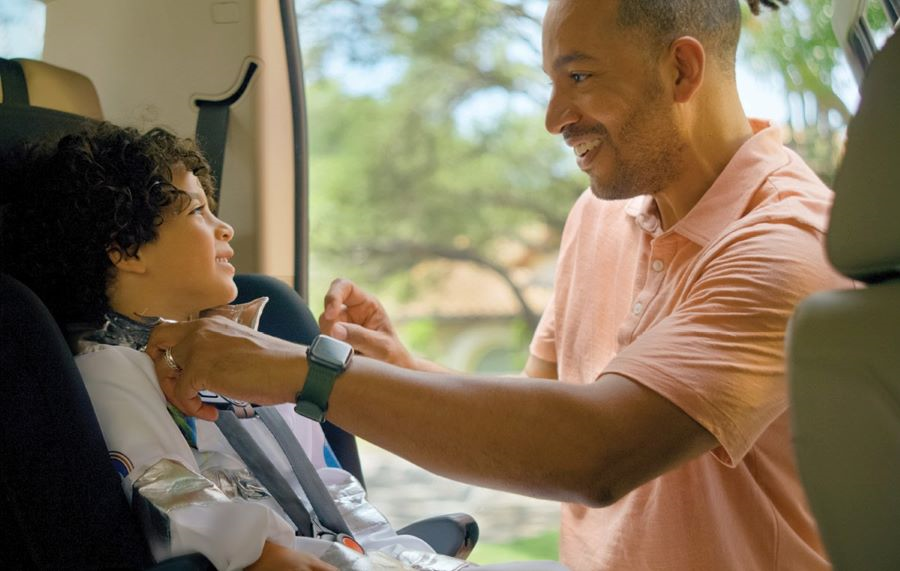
(61, 498)
(64, 504)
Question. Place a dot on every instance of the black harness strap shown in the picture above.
(15, 90)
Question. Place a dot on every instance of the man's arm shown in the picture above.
(587, 444)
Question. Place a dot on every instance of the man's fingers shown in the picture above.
(326, 323)
(341, 294)
(366, 341)
(167, 335)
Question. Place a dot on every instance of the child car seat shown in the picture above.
(64, 499)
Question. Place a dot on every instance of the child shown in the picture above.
(113, 229)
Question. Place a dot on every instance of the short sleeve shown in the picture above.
(543, 343)
(719, 355)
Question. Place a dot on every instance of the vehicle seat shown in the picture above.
(61, 500)
(844, 346)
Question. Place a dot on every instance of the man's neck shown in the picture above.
(712, 141)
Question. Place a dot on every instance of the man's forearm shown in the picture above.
(475, 429)
(426, 366)
(588, 444)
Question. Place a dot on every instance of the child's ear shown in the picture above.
(125, 263)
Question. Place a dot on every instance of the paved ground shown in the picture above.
(405, 493)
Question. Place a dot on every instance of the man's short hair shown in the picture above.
(715, 23)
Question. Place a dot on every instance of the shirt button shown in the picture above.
(657, 265)
(638, 307)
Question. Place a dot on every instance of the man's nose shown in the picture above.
(561, 112)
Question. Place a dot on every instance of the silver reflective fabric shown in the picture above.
(229, 475)
(423, 560)
(350, 497)
(166, 486)
(134, 330)
(391, 559)
(244, 313)
(237, 483)
(364, 519)
(349, 560)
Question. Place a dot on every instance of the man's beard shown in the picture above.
(645, 159)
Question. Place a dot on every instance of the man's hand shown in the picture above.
(222, 356)
(358, 318)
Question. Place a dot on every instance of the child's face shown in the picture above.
(187, 266)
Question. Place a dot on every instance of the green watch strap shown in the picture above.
(312, 401)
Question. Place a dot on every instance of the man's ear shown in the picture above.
(125, 263)
(688, 65)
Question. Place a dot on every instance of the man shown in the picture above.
(669, 436)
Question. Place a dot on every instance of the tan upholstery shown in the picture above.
(61, 89)
(864, 237)
(844, 346)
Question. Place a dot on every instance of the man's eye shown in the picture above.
(579, 77)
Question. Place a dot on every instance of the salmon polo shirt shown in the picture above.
(698, 314)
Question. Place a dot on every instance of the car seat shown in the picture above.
(62, 500)
(844, 346)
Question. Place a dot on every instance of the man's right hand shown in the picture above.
(357, 317)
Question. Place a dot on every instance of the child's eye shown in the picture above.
(198, 210)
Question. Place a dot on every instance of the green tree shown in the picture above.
(797, 45)
(398, 177)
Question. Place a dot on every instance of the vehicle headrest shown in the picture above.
(39, 101)
(864, 237)
(53, 87)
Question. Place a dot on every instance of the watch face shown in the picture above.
(331, 351)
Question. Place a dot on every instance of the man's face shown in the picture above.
(609, 101)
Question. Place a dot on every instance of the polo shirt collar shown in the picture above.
(727, 198)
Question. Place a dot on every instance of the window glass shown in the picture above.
(22, 28)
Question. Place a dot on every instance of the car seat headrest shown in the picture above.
(864, 236)
(40, 102)
(52, 87)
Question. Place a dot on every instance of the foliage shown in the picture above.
(542, 547)
(798, 46)
(401, 176)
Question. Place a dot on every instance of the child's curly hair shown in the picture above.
(69, 204)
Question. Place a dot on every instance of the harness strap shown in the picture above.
(265, 472)
(15, 89)
(323, 504)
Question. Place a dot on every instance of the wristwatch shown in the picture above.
(327, 358)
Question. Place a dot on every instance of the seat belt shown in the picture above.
(212, 128)
(15, 88)
(265, 472)
(326, 521)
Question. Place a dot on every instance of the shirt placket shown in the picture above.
(656, 265)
